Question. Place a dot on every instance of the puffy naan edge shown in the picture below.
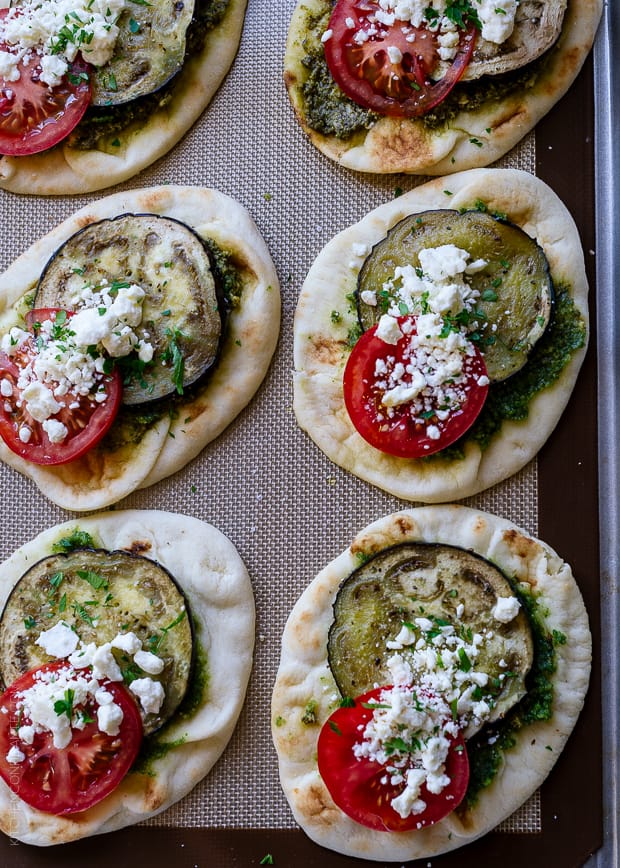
(212, 575)
(473, 138)
(101, 478)
(320, 345)
(304, 675)
(70, 171)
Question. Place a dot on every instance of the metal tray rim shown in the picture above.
(607, 191)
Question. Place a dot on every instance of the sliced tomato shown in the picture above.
(34, 116)
(404, 431)
(86, 419)
(361, 787)
(72, 779)
(388, 69)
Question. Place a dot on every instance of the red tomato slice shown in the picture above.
(87, 423)
(71, 779)
(403, 433)
(397, 87)
(33, 116)
(359, 786)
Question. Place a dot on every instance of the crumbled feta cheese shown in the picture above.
(40, 401)
(56, 431)
(15, 755)
(109, 718)
(505, 609)
(64, 364)
(11, 341)
(388, 329)
(497, 18)
(149, 692)
(403, 394)
(57, 30)
(59, 641)
(104, 664)
(148, 662)
(127, 642)
(83, 656)
(394, 53)
(26, 734)
(53, 69)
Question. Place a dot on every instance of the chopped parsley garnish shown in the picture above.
(78, 539)
(173, 355)
(65, 706)
(94, 579)
(156, 641)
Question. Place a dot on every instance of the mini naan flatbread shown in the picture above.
(304, 676)
(213, 578)
(325, 317)
(117, 466)
(470, 136)
(66, 169)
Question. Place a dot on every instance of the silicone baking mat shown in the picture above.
(287, 508)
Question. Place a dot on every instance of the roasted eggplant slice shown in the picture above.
(183, 309)
(100, 594)
(444, 584)
(538, 24)
(515, 287)
(149, 51)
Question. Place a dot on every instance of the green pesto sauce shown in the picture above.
(131, 425)
(77, 539)
(309, 717)
(226, 274)
(101, 122)
(158, 745)
(486, 759)
(329, 112)
(510, 399)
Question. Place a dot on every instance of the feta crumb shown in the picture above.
(505, 609)
(109, 718)
(104, 664)
(149, 692)
(59, 641)
(15, 755)
(127, 642)
(388, 329)
(149, 662)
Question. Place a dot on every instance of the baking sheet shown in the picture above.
(289, 511)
